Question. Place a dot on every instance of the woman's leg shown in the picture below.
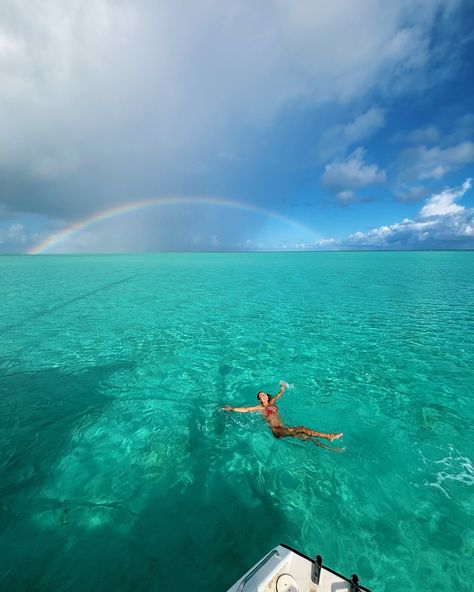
(282, 432)
(293, 431)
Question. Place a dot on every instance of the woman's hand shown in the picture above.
(227, 408)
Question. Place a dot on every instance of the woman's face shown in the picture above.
(263, 398)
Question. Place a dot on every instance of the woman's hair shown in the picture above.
(262, 393)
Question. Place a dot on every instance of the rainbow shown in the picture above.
(66, 233)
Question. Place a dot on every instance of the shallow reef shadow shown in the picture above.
(41, 409)
(201, 534)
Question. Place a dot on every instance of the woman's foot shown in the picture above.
(332, 437)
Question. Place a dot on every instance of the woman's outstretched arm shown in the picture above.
(278, 395)
(242, 409)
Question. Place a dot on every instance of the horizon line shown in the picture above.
(230, 252)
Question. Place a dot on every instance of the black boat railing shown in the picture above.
(318, 565)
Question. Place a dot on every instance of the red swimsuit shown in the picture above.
(271, 409)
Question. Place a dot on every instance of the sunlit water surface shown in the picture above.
(120, 472)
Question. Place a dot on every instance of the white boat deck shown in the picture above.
(286, 570)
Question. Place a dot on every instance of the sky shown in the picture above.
(130, 126)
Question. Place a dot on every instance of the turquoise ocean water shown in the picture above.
(118, 471)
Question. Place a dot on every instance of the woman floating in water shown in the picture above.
(270, 412)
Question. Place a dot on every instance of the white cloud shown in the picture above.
(421, 162)
(441, 223)
(443, 203)
(381, 236)
(14, 235)
(352, 172)
(339, 137)
(327, 243)
(441, 231)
